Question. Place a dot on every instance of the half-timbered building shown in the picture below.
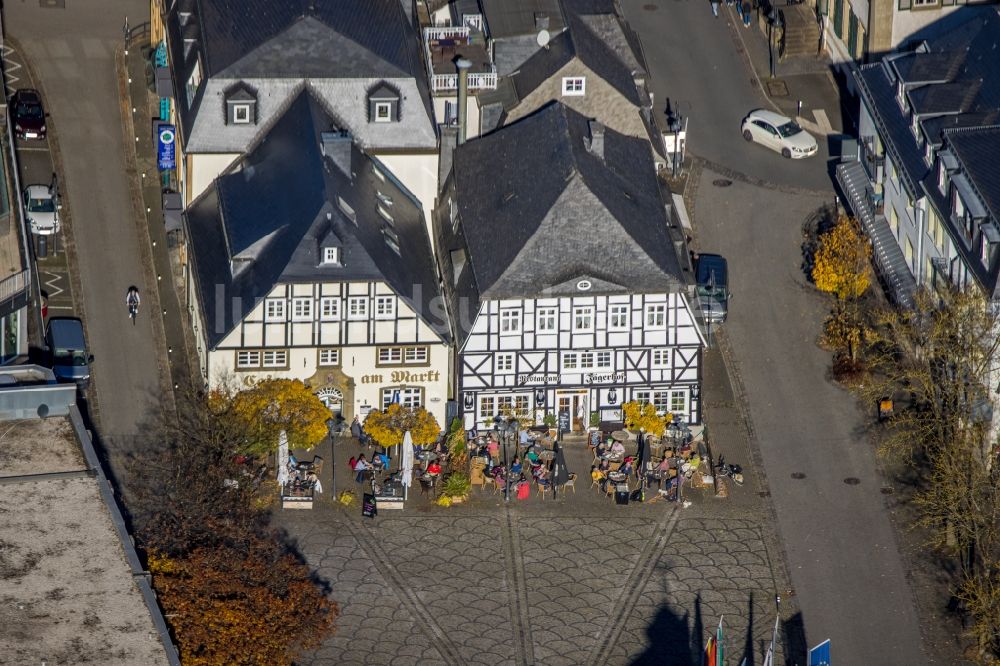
(568, 288)
(308, 260)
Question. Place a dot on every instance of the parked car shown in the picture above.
(779, 133)
(28, 115)
(68, 349)
(42, 210)
(712, 278)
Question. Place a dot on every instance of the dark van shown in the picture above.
(712, 276)
(68, 351)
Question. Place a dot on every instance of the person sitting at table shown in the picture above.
(499, 472)
(627, 468)
(618, 448)
(516, 467)
(492, 448)
(542, 477)
(532, 455)
(361, 466)
(434, 469)
(604, 465)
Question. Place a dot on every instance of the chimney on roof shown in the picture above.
(463, 65)
(595, 142)
(541, 21)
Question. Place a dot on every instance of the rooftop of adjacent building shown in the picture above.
(70, 589)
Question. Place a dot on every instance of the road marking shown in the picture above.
(59, 307)
(52, 283)
(823, 121)
(31, 149)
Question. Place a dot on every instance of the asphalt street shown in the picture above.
(71, 49)
(846, 569)
(696, 64)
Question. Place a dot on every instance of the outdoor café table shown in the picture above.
(616, 477)
(547, 455)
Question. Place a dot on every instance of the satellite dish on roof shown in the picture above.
(543, 38)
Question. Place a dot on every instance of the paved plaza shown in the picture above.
(576, 580)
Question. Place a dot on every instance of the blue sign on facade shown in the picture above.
(166, 139)
(820, 655)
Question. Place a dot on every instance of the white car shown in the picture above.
(779, 133)
(42, 210)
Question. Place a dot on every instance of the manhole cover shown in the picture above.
(852, 481)
(650, 8)
(777, 89)
(798, 475)
(763, 493)
(886, 490)
(722, 182)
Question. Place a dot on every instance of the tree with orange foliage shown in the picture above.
(264, 408)
(841, 263)
(253, 604)
(388, 427)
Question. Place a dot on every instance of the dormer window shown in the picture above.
(942, 178)
(241, 105)
(331, 256)
(383, 104)
(574, 86)
(901, 95)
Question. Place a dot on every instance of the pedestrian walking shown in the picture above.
(356, 428)
(715, 8)
(746, 14)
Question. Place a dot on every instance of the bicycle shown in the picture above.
(724, 469)
(133, 311)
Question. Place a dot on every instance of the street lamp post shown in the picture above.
(774, 23)
(331, 423)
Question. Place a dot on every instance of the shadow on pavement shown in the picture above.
(670, 640)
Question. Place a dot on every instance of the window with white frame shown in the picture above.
(504, 363)
(403, 355)
(347, 210)
(513, 405)
(659, 399)
(331, 255)
(984, 250)
(241, 114)
(191, 89)
(487, 407)
(587, 360)
(660, 358)
(411, 398)
(383, 112)
(574, 85)
(618, 317)
(329, 357)
(274, 309)
(959, 206)
(510, 322)
(385, 307)
(274, 358)
(247, 359)
(329, 308)
(942, 178)
(925, 3)
(357, 307)
(385, 215)
(583, 319)
(679, 402)
(656, 315)
(545, 320)
(302, 309)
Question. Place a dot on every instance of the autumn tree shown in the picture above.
(387, 427)
(941, 359)
(841, 262)
(233, 591)
(253, 604)
(642, 415)
(261, 410)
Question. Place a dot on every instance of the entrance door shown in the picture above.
(576, 405)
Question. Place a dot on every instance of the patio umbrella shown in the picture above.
(407, 463)
(282, 458)
(620, 435)
(560, 474)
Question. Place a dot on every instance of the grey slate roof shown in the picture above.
(967, 56)
(596, 50)
(539, 211)
(340, 47)
(978, 153)
(515, 18)
(268, 215)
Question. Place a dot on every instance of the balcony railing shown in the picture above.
(446, 32)
(14, 285)
(447, 82)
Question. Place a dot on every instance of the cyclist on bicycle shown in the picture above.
(132, 300)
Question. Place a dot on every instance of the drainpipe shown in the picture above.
(463, 65)
(921, 216)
